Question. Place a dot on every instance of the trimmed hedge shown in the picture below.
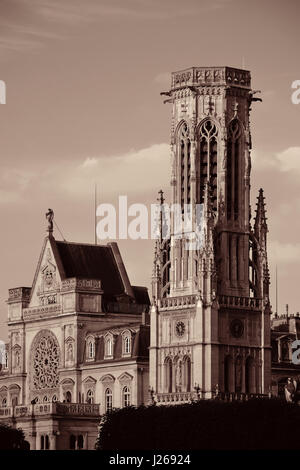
(210, 424)
(12, 438)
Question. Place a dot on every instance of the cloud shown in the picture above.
(284, 252)
(13, 185)
(289, 159)
(136, 171)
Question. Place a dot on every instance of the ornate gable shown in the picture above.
(47, 281)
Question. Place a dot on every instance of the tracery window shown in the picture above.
(233, 169)
(45, 362)
(206, 167)
(126, 396)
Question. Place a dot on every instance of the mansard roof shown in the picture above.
(99, 262)
(140, 337)
(92, 262)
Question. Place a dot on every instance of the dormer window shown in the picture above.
(108, 342)
(90, 348)
(126, 343)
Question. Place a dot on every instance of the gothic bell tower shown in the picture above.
(210, 321)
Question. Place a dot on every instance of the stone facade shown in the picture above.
(78, 346)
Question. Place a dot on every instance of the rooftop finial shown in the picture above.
(49, 217)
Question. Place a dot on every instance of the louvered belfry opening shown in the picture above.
(207, 162)
(233, 170)
(185, 165)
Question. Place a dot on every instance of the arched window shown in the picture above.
(187, 374)
(45, 399)
(80, 441)
(207, 162)
(91, 348)
(184, 164)
(108, 399)
(90, 396)
(238, 374)
(54, 398)
(68, 397)
(227, 374)
(250, 375)
(126, 344)
(126, 396)
(42, 442)
(72, 442)
(285, 351)
(108, 347)
(47, 443)
(4, 403)
(14, 401)
(168, 375)
(233, 169)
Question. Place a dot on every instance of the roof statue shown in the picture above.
(49, 217)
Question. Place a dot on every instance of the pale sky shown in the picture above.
(83, 80)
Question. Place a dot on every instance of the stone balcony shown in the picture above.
(251, 303)
(175, 398)
(183, 301)
(51, 409)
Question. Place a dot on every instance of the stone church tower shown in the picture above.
(210, 317)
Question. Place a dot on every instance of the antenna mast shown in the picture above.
(95, 214)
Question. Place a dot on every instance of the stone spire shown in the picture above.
(260, 223)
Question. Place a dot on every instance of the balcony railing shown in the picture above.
(239, 302)
(176, 397)
(58, 409)
(178, 302)
(188, 397)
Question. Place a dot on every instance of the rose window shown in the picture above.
(45, 363)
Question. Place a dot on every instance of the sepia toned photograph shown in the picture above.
(150, 251)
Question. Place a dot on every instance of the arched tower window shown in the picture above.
(207, 162)
(168, 375)
(233, 170)
(187, 374)
(184, 162)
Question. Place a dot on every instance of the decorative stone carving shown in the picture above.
(45, 361)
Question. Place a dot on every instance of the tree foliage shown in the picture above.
(12, 439)
(256, 424)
